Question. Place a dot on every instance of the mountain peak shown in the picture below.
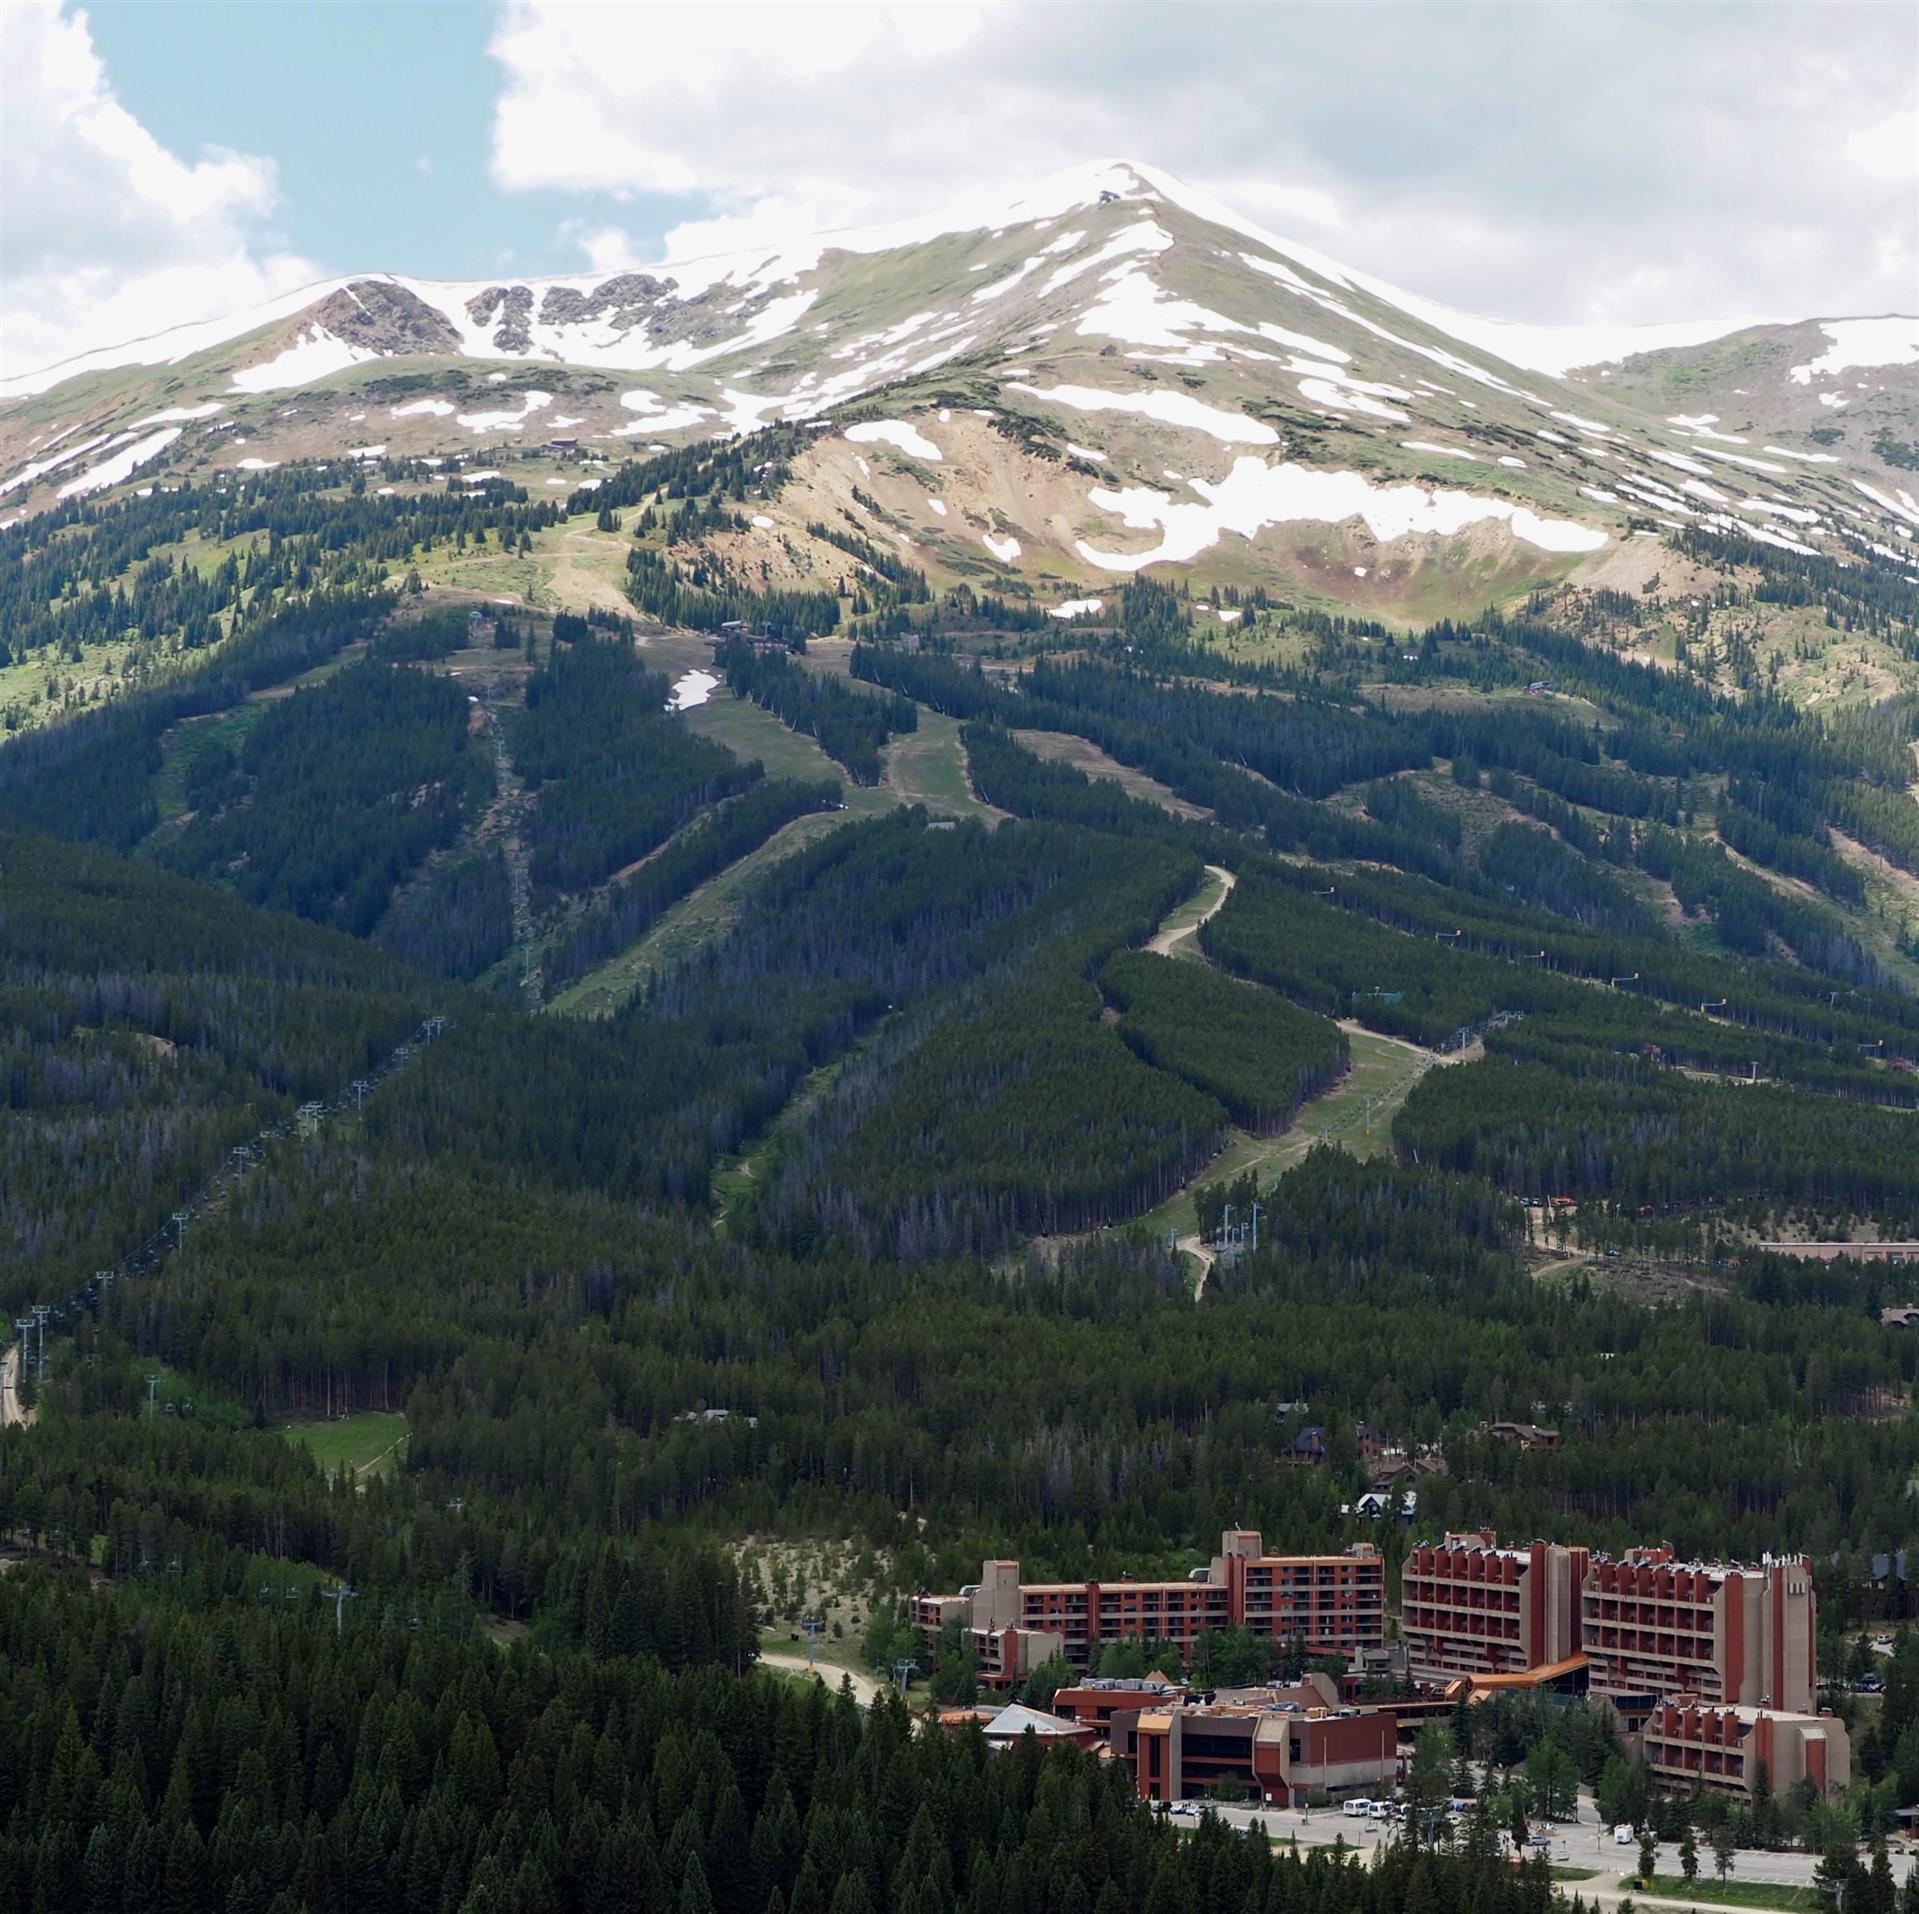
(1109, 319)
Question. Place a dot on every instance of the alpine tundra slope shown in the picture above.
(1110, 373)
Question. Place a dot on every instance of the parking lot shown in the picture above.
(1582, 1844)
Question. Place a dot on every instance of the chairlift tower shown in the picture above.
(812, 1627)
(153, 1383)
(339, 1595)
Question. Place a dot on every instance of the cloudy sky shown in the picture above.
(167, 160)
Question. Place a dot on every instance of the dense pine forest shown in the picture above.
(853, 1216)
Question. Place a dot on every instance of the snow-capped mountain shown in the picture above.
(1125, 373)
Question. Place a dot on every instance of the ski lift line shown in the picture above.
(233, 1170)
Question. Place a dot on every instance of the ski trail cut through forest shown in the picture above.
(1177, 936)
(504, 818)
(1354, 1113)
(218, 1191)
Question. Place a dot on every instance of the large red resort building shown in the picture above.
(1327, 1604)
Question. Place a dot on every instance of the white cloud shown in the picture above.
(605, 248)
(1649, 162)
(1888, 149)
(108, 235)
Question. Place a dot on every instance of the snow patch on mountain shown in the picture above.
(1145, 236)
(315, 354)
(38, 468)
(691, 690)
(181, 412)
(1170, 408)
(530, 403)
(122, 464)
(1255, 495)
(1861, 342)
(895, 432)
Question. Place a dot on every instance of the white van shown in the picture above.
(1623, 1835)
(1359, 1807)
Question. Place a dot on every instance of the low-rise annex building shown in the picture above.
(1282, 1752)
(1690, 1744)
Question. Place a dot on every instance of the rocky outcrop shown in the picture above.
(384, 318)
(514, 305)
(628, 302)
(625, 299)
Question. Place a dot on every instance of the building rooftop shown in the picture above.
(1743, 1711)
(1010, 1723)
